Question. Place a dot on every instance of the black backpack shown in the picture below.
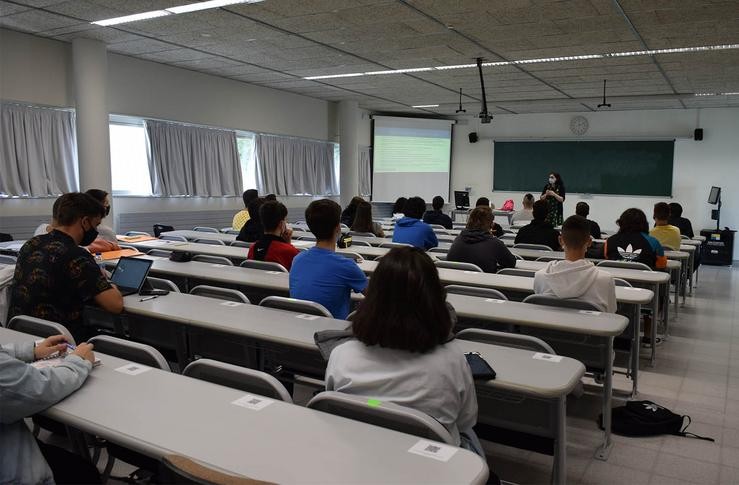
(645, 418)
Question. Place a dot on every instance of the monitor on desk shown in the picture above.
(715, 195)
(461, 199)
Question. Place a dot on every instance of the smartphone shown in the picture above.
(481, 370)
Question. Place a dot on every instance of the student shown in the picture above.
(47, 228)
(527, 213)
(482, 202)
(436, 216)
(347, 216)
(321, 275)
(55, 278)
(411, 229)
(539, 231)
(485, 202)
(253, 229)
(270, 198)
(677, 220)
(582, 209)
(575, 277)
(632, 242)
(243, 215)
(398, 208)
(25, 391)
(274, 245)
(477, 245)
(363, 220)
(403, 353)
(667, 235)
(106, 240)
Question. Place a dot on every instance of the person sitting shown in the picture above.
(321, 275)
(363, 220)
(527, 213)
(398, 208)
(55, 278)
(477, 245)
(26, 390)
(436, 216)
(402, 351)
(274, 245)
(485, 202)
(270, 198)
(582, 209)
(677, 220)
(253, 229)
(411, 229)
(243, 215)
(574, 276)
(104, 232)
(482, 202)
(347, 215)
(667, 235)
(47, 228)
(633, 243)
(539, 231)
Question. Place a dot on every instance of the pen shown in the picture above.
(148, 298)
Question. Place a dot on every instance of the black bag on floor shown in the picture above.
(645, 418)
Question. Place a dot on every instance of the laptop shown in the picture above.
(130, 274)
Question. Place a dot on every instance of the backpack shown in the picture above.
(507, 205)
(646, 418)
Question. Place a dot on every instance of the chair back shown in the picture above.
(458, 265)
(539, 247)
(263, 265)
(573, 303)
(384, 414)
(163, 253)
(344, 228)
(351, 255)
(128, 350)
(173, 237)
(475, 291)
(357, 242)
(505, 339)
(391, 245)
(295, 305)
(8, 259)
(607, 263)
(306, 237)
(232, 232)
(241, 244)
(137, 233)
(438, 250)
(437, 226)
(226, 294)
(213, 242)
(209, 258)
(517, 272)
(683, 236)
(235, 377)
(162, 284)
(361, 234)
(546, 259)
(205, 229)
(160, 228)
(185, 471)
(39, 327)
(622, 282)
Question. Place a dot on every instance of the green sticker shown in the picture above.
(374, 403)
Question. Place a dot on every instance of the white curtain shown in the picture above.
(190, 160)
(38, 151)
(292, 166)
(365, 172)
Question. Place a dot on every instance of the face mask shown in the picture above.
(552, 180)
(88, 236)
(107, 210)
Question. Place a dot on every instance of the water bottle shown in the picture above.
(99, 261)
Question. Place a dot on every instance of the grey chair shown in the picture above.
(357, 242)
(226, 294)
(458, 265)
(361, 234)
(546, 259)
(172, 237)
(163, 253)
(306, 237)
(520, 258)
(232, 232)
(208, 258)
(384, 414)
(39, 327)
(517, 272)
(137, 233)
(505, 339)
(622, 282)
(539, 247)
(561, 302)
(263, 265)
(475, 291)
(162, 284)
(295, 305)
(7, 259)
(212, 242)
(438, 250)
(351, 255)
(437, 226)
(225, 230)
(241, 378)
(205, 229)
(624, 264)
(241, 244)
(391, 245)
(344, 228)
(683, 236)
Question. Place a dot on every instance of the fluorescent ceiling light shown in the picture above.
(717, 94)
(653, 52)
(132, 18)
(194, 7)
(425, 106)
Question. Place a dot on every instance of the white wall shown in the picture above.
(698, 165)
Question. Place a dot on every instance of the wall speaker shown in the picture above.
(698, 134)
(473, 137)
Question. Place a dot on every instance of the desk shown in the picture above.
(282, 443)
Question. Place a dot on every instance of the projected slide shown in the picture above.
(411, 156)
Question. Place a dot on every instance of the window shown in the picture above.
(245, 145)
(129, 165)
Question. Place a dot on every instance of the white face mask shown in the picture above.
(552, 180)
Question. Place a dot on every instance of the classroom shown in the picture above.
(369, 241)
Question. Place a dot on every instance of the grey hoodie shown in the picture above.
(577, 279)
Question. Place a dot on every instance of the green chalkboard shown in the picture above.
(590, 167)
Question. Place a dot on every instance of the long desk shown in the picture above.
(158, 413)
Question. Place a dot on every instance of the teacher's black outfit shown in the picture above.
(555, 207)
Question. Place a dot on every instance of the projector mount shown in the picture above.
(485, 116)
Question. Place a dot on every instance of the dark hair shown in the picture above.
(541, 209)
(557, 178)
(271, 214)
(482, 201)
(270, 197)
(55, 209)
(254, 207)
(661, 211)
(355, 200)
(75, 205)
(97, 194)
(632, 220)
(399, 205)
(323, 217)
(528, 199)
(405, 307)
(415, 207)
(437, 203)
(582, 209)
(481, 219)
(575, 232)
(248, 196)
(363, 218)
(676, 210)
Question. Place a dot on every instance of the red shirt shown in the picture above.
(273, 249)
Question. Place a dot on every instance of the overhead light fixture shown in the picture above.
(584, 57)
(425, 106)
(132, 18)
(717, 94)
(190, 7)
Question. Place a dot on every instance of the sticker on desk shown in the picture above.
(547, 357)
(255, 403)
(218, 265)
(494, 300)
(432, 449)
(231, 303)
(133, 369)
(589, 312)
(305, 316)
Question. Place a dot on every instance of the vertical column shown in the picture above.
(90, 79)
(349, 168)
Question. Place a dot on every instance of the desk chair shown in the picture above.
(295, 305)
(162, 253)
(213, 242)
(206, 229)
(361, 234)
(385, 414)
(232, 232)
(539, 247)
(505, 339)
(224, 230)
(168, 237)
(520, 258)
(39, 327)
(683, 236)
(137, 233)
(517, 272)
(241, 244)
(235, 377)
(545, 259)
(458, 265)
(351, 255)
(263, 265)
(218, 293)
(438, 250)
(357, 242)
(438, 226)
(160, 228)
(162, 284)
(176, 469)
(306, 237)
(574, 303)
(7, 259)
(475, 291)
(443, 238)
(391, 245)
(624, 264)
(207, 258)
(344, 228)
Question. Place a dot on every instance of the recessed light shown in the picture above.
(718, 94)
(205, 35)
(425, 106)
(194, 7)
(132, 18)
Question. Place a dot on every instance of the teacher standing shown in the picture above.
(554, 194)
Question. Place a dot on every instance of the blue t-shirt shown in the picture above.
(327, 278)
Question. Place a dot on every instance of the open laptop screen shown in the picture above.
(130, 273)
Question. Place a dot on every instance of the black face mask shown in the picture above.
(107, 210)
(89, 236)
